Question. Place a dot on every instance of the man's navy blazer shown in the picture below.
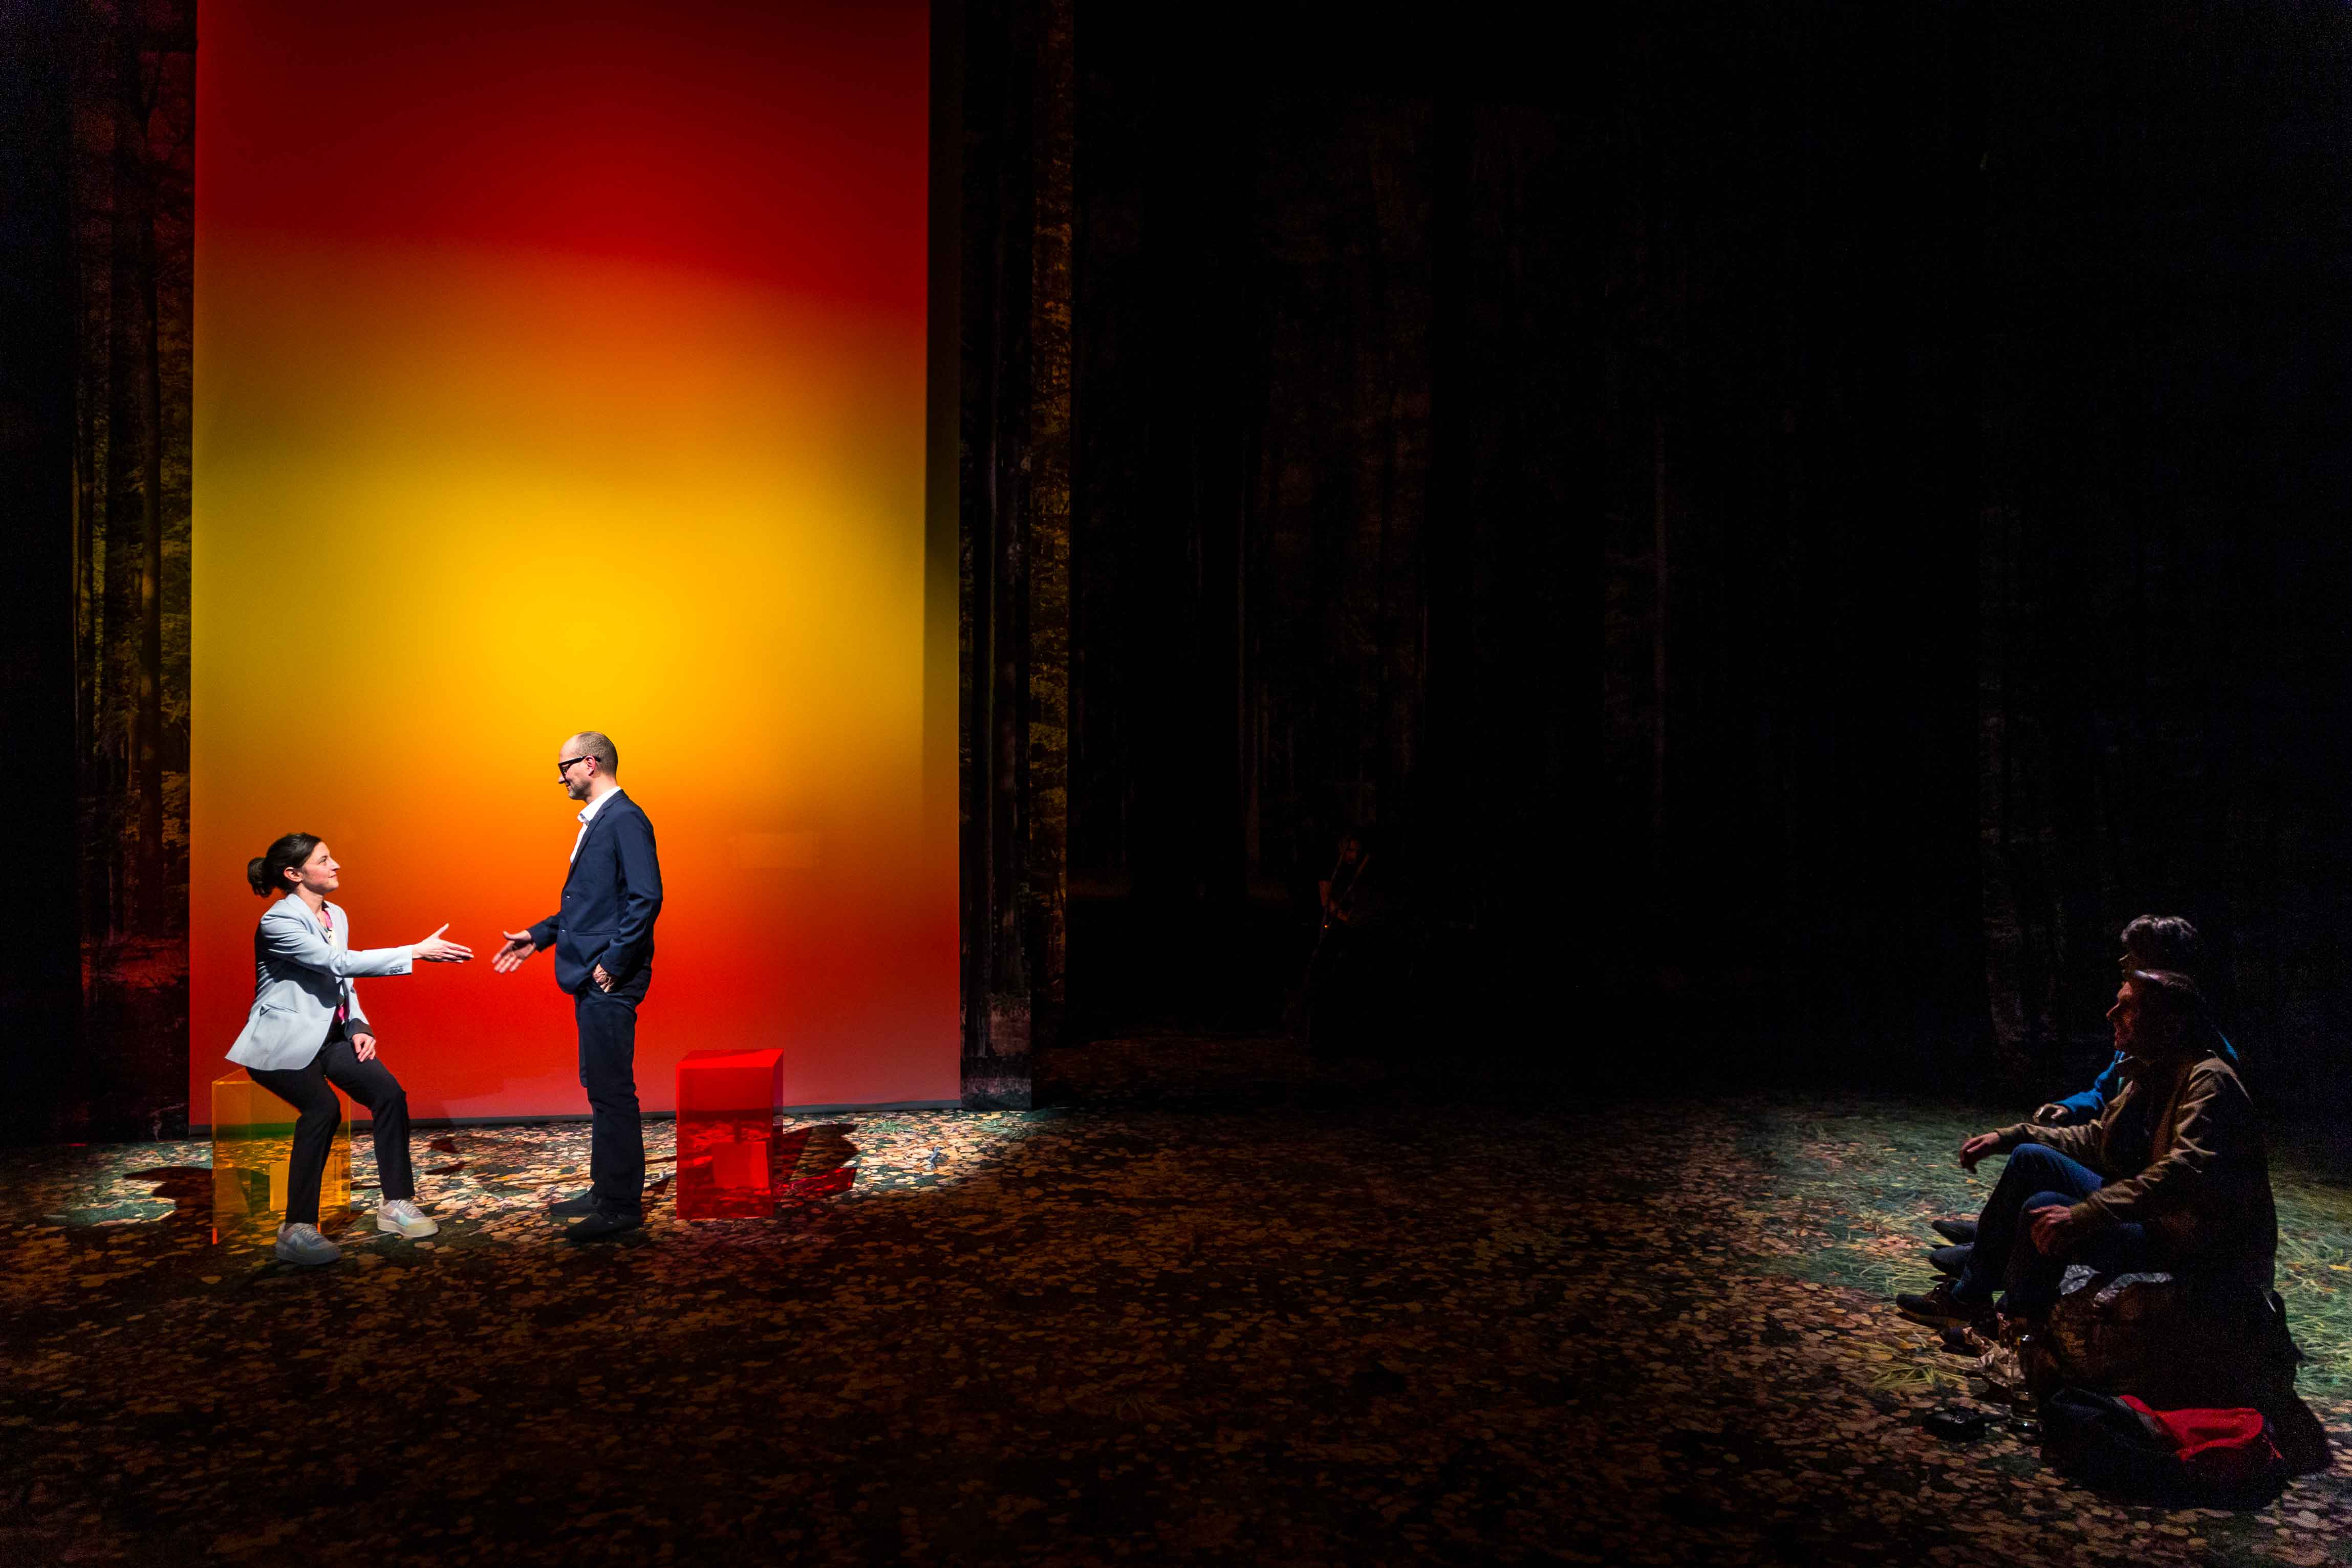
(610, 901)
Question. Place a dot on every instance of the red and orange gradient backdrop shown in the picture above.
(562, 367)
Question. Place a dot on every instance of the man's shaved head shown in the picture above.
(589, 743)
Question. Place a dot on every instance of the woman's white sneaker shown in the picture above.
(402, 1218)
(303, 1244)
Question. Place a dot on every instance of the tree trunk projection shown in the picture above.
(133, 220)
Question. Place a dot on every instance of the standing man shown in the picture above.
(603, 942)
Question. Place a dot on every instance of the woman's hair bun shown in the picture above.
(266, 873)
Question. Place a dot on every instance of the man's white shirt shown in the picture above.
(587, 815)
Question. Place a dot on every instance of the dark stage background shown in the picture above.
(1952, 401)
(1950, 398)
(1973, 559)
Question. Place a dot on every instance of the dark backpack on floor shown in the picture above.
(2215, 1459)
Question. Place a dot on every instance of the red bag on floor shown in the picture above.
(2195, 1456)
(2216, 1448)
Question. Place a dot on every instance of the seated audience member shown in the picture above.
(2159, 942)
(2172, 1175)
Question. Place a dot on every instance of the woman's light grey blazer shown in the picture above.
(302, 976)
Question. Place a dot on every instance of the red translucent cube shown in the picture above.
(726, 1133)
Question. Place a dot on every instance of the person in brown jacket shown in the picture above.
(2172, 1175)
(2150, 942)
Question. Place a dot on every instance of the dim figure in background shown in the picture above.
(307, 1030)
(1344, 890)
(2172, 1175)
(1345, 982)
(603, 942)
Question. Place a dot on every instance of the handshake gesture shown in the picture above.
(438, 949)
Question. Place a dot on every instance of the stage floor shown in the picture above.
(1226, 1306)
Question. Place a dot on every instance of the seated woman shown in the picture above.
(307, 1030)
(2172, 1175)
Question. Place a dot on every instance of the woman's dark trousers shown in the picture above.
(318, 1114)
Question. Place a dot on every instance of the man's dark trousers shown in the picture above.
(2004, 1254)
(608, 1067)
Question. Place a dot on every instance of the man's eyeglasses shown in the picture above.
(565, 766)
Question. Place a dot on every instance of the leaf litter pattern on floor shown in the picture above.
(1284, 1314)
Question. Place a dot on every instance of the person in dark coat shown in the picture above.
(2165, 942)
(603, 943)
(2172, 1175)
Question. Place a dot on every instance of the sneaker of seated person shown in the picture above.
(1940, 1306)
(1962, 1339)
(1949, 1260)
(1963, 1231)
(303, 1244)
(401, 1216)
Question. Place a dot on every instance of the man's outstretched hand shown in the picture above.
(508, 958)
(1977, 1148)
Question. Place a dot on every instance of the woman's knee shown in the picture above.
(373, 1085)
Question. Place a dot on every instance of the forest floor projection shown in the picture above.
(1224, 1305)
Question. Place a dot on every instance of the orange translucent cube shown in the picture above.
(726, 1133)
(253, 1148)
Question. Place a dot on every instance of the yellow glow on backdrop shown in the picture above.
(468, 479)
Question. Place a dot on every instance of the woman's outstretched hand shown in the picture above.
(436, 949)
(508, 958)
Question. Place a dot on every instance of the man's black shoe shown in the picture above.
(573, 1208)
(599, 1227)
(1937, 1307)
(1963, 1231)
(1949, 1260)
